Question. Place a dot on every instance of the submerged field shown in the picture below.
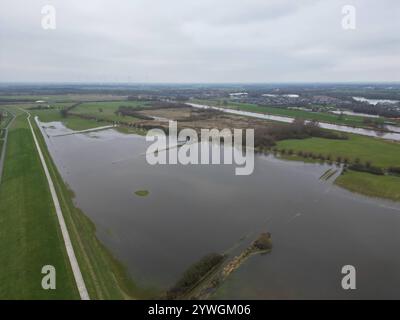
(71, 122)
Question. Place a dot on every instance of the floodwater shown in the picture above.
(358, 114)
(190, 211)
(375, 101)
(365, 132)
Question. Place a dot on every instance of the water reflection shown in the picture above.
(194, 210)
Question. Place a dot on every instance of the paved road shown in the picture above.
(67, 240)
(3, 151)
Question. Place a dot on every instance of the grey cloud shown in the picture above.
(200, 41)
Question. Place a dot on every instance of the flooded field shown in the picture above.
(158, 220)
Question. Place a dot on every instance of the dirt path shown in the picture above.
(3, 151)
(84, 131)
(67, 241)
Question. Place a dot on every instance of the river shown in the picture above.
(365, 132)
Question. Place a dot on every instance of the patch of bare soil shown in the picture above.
(200, 119)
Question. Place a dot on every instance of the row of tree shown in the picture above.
(194, 274)
(298, 129)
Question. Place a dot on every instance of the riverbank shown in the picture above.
(387, 187)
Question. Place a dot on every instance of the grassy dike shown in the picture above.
(30, 236)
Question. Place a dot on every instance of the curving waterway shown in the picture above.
(341, 128)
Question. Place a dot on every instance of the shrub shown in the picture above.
(363, 168)
(394, 170)
(194, 274)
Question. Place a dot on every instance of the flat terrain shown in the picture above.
(371, 185)
(106, 110)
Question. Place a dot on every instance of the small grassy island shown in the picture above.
(142, 193)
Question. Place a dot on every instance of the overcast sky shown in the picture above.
(199, 41)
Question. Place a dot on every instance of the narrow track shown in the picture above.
(80, 283)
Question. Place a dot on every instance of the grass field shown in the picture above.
(379, 152)
(53, 98)
(371, 185)
(106, 110)
(349, 120)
